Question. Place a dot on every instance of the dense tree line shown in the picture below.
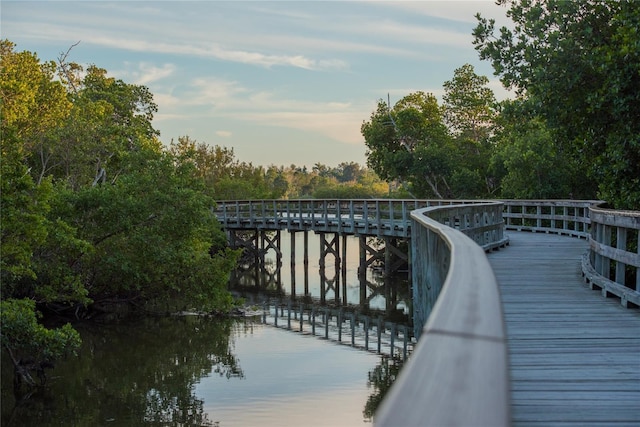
(95, 211)
(573, 131)
(470, 146)
(227, 178)
(576, 66)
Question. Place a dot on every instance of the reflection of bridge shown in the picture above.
(333, 283)
(565, 355)
(342, 326)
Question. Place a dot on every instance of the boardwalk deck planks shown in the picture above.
(574, 357)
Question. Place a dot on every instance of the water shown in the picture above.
(300, 381)
(196, 371)
(202, 371)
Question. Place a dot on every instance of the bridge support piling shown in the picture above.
(306, 261)
(301, 316)
(343, 265)
(379, 332)
(395, 255)
(292, 263)
(366, 333)
(393, 337)
(330, 247)
(327, 316)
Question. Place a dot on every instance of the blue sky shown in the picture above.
(281, 83)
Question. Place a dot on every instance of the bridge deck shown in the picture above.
(574, 356)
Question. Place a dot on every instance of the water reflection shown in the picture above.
(380, 379)
(224, 372)
(202, 371)
(342, 279)
(131, 373)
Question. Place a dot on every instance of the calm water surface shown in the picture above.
(198, 371)
(195, 371)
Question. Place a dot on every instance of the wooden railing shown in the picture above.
(613, 261)
(375, 217)
(458, 372)
(570, 217)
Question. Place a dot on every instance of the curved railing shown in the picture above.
(374, 217)
(613, 261)
(570, 217)
(459, 367)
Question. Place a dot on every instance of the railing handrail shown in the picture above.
(462, 350)
(376, 217)
(613, 257)
(570, 217)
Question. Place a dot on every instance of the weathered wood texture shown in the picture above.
(574, 357)
(613, 263)
(371, 217)
(458, 373)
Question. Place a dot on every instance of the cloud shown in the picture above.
(215, 92)
(388, 31)
(224, 133)
(337, 120)
(216, 51)
(147, 73)
(455, 10)
(133, 42)
(298, 39)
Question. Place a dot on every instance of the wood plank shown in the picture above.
(574, 355)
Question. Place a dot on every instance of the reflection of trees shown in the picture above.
(134, 373)
(380, 379)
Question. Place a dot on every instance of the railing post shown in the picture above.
(638, 268)
(621, 243)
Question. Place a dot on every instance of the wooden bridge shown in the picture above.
(518, 337)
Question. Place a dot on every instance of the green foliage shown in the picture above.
(94, 208)
(24, 207)
(129, 370)
(469, 105)
(30, 345)
(408, 143)
(32, 101)
(151, 233)
(579, 64)
(411, 143)
(531, 162)
(225, 177)
(534, 169)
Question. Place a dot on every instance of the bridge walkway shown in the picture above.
(574, 356)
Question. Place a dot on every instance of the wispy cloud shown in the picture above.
(236, 69)
(224, 133)
(146, 73)
(454, 10)
(324, 35)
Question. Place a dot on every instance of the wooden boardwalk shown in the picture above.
(574, 355)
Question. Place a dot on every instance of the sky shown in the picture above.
(280, 83)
